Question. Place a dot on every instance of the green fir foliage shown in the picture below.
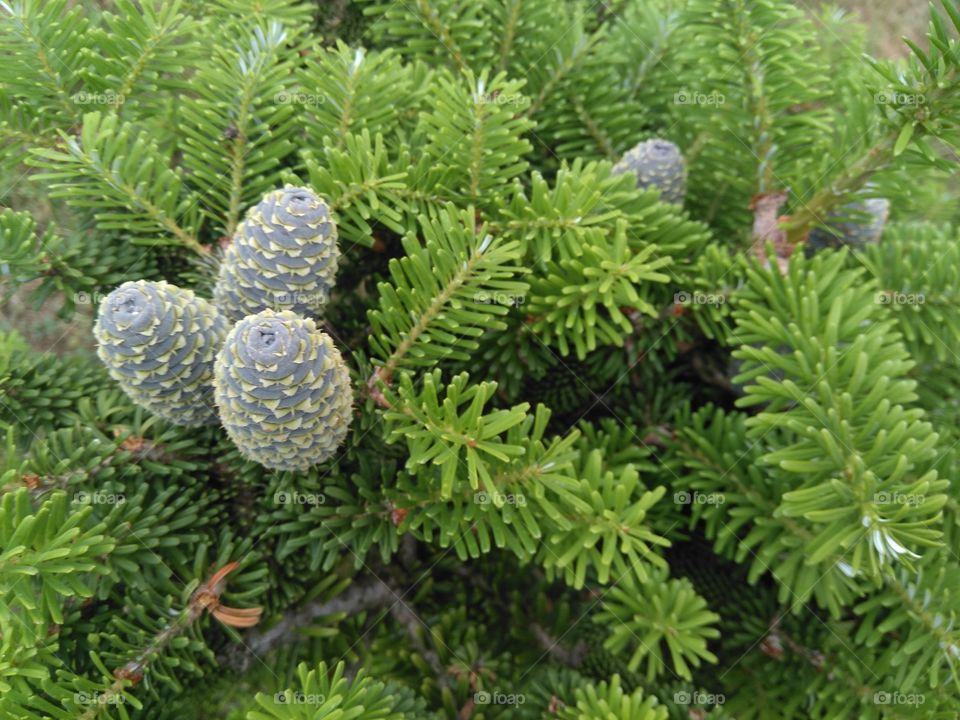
(577, 450)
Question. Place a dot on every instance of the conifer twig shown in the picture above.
(205, 598)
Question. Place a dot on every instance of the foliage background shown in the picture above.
(707, 442)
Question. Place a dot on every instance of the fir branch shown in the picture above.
(246, 102)
(603, 141)
(205, 598)
(145, 50)
(509, 33)
(440, 300)
(30, 35)
(430, 16)
(118, 171)
(559, 72)
(476, 132)
(905, 130)
(439, 428)
(854, 177)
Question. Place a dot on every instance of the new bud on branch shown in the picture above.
(283, 257)
(283, 391)
(158, 342)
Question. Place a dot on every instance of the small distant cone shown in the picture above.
(657, 163)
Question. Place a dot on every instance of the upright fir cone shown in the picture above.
(657, 163)
(852, 231)
(158, 342)
(283, 257)
(283, 391)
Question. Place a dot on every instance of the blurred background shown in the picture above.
(886, 22)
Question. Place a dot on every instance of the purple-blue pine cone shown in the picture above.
(283, 257)
(657, 163)
(283, 391)
(159, 342)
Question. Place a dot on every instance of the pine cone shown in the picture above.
(657, 163)
(159, 342)
(853, 232)
(283, 257)
(283, 391)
